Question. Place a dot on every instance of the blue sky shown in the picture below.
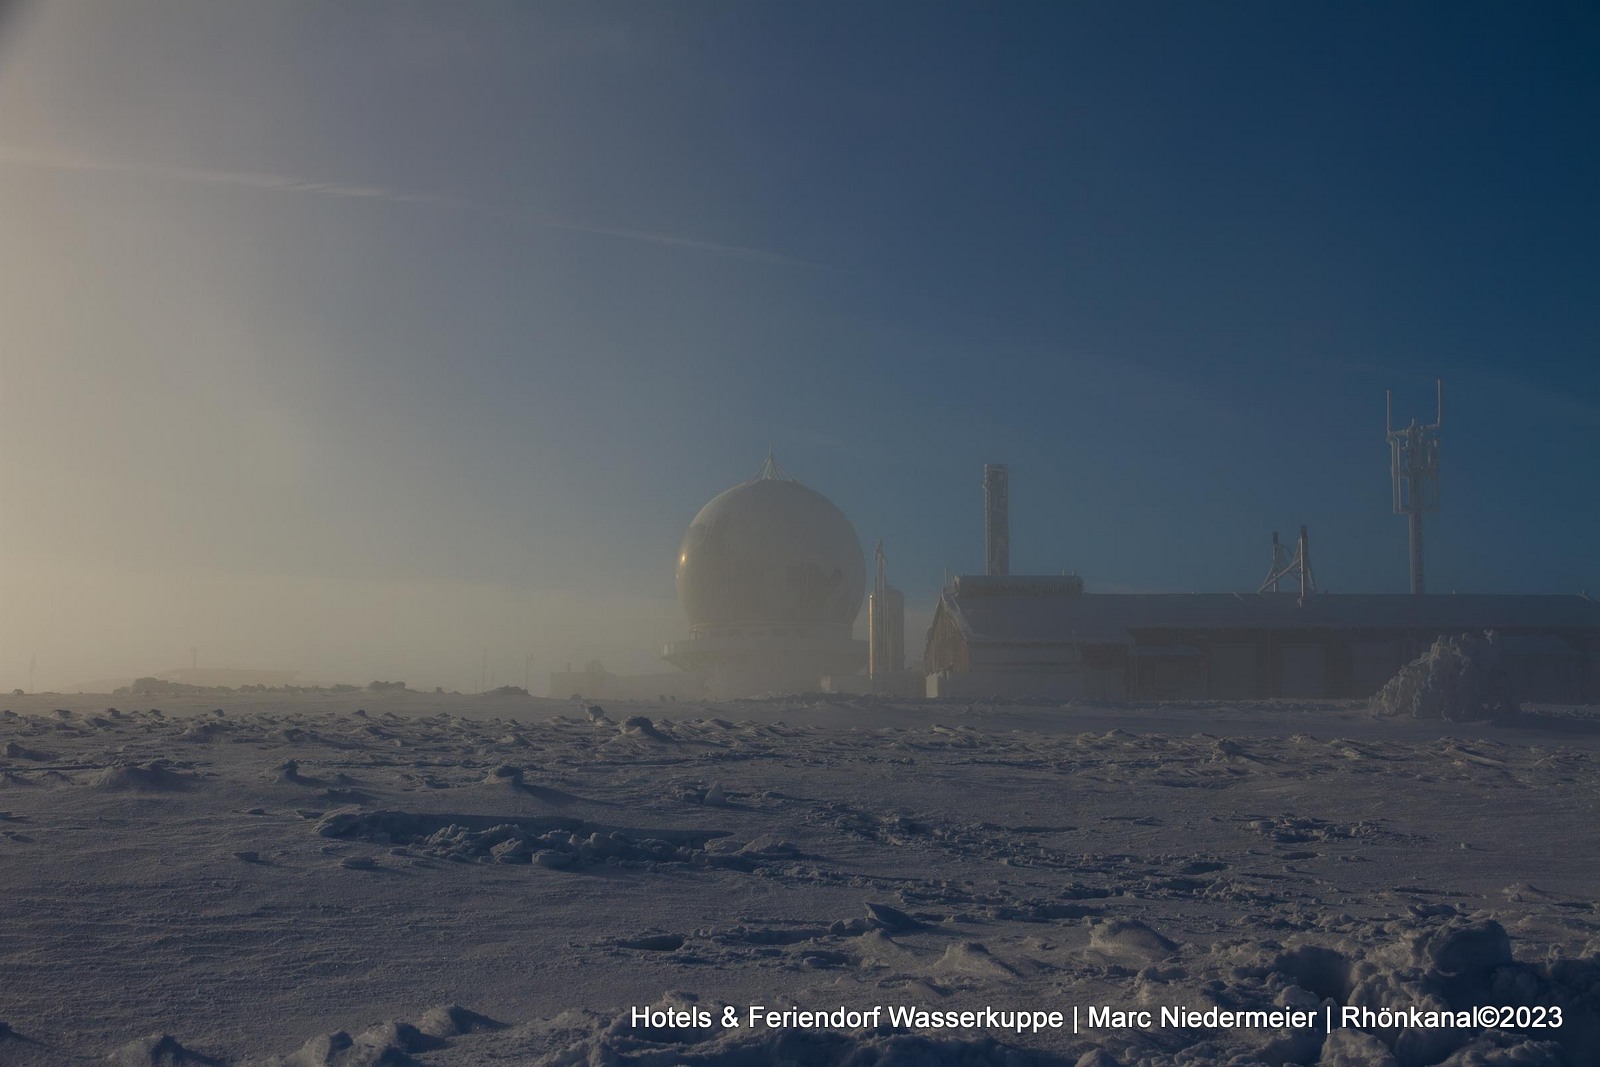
(357, 337)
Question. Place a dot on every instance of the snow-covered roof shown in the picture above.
(1092, 618)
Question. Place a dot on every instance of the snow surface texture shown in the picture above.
(1460, 679)
(398, 879)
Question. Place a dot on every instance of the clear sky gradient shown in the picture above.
(355, 337)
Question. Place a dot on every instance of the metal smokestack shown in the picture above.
(996, 520)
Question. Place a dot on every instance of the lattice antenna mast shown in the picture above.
(1414, 472)
(1280, 565)
(1283, 565)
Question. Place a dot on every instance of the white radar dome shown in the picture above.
(771, 551)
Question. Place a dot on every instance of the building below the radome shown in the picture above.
(1043, 636)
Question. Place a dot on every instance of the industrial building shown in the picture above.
(771, 578)
(999, 635)
(1003, 636)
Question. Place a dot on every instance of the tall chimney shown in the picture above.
(996, 520)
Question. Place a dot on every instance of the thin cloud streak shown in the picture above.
(278, 183)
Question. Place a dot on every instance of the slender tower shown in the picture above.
(996, 520)
(1308, 583)
(886, 622)
(1414, 470)
(877, 617)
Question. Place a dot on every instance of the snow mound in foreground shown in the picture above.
(152, 777)
(1459, 679)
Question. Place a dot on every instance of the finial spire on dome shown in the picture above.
(771, 470)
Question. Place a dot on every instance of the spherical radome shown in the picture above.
(771, 551)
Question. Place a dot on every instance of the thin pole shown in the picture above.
(1274, 569)
(1306, 581)
(1416, 551)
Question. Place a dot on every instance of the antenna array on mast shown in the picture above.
(1414, 472)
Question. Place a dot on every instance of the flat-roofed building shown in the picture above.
(1043, 636)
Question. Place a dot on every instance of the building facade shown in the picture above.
(1045, 637)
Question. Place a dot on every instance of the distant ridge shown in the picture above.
(201, 677)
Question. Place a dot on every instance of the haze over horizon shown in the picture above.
(353, 339)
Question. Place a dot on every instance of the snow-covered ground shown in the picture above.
(447, 880)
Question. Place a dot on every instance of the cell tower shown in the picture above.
(996, 520)
(1414, 469)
